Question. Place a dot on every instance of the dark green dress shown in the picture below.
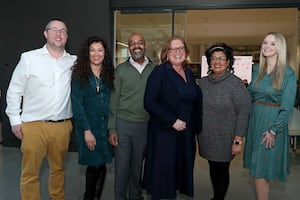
(90, 111)
(270, 163)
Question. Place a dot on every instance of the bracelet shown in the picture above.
(237, 142)
(272, 134)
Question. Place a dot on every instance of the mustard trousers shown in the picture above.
(40, 140)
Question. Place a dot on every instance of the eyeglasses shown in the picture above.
(221, 59)
(55, 31)
(175, 49)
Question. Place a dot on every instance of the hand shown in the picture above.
(268, 139)
(113, 139)
(90, 140)
(179, 125)
(17, 131)
(236, 149)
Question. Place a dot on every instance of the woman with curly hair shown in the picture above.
(227, 105)
(92, 82)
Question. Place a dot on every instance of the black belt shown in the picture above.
(56, 121)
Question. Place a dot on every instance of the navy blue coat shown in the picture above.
(170, 154)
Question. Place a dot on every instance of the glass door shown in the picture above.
(156, 27)
(242, 29)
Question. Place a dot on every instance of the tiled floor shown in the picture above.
(241, 186)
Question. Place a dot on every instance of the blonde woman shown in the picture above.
(273, 90)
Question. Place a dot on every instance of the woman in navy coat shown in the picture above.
(174, 102)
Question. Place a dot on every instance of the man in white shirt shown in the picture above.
(39, 110)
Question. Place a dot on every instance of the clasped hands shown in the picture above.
(179, 125)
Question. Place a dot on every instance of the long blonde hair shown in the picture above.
(281, 61)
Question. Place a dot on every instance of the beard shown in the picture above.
(137, 57)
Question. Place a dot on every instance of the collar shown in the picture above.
(219, 79)
(130, 60)
(46, 52)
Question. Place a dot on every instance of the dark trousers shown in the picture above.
(219, 176)
(94, 181)
(129, 156)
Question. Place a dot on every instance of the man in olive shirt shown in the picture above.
(128, 121)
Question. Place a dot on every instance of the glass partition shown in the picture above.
(155, 27)
(243, 29)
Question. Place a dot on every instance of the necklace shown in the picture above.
(97, 80)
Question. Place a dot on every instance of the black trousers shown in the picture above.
(95, 176)
(219, 176)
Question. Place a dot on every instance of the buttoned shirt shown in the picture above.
(40, 87)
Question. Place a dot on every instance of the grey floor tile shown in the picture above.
(241, 185)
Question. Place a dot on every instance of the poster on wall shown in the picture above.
(242, 67)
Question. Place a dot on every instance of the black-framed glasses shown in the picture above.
(175, 49)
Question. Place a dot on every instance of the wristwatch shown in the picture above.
(237, 142)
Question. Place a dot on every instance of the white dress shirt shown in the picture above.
(44, 84)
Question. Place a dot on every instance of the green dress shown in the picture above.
(269, 163)
(90, 111)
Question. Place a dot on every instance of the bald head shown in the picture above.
(137, 47)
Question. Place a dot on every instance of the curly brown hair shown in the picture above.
(82, 68)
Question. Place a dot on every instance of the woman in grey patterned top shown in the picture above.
(226, 108)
